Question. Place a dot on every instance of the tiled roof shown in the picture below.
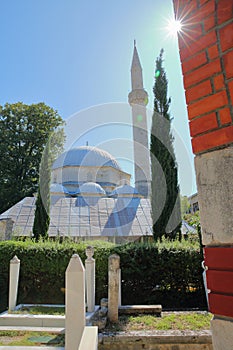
(108, 217)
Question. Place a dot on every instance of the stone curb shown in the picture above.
(158, 337)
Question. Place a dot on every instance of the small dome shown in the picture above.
(124, 191)
(58, 188)
(91, 188)
(86, 156)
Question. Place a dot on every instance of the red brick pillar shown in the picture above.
(206, 51)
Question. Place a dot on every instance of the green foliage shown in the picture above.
(27, 338)
(40, 310)
(169, 273)
(185, 205)
(24, 132)
(42, 268)
(42, 219)
(165, 198)
(169, 321)
(192, 219)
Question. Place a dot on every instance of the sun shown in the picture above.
(174, 26)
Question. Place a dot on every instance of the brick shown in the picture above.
(213, 140)
(225, 116)
(193, 47)
(228, 64)
(220, 281)
(190, 31)
(202, 2)
(194, 62)
(226, 37)
(219, 82)
(198, 91)
(230, 87)
(202, 73)
(194, 31)
(207, 104)
(203, 11)
(224, 11)
(209, 23)
(219, 258)
(213, 52)
(221, 304)
(184, 7)
(203, 124)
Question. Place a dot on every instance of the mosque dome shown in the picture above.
(56, 188)
(125, 190)
(91, 188)
(86, 156)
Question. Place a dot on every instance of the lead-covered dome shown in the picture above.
(125, 190)
(58, 189)
(91, 188)
(86, 156)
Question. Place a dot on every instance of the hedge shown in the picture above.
(152, 273)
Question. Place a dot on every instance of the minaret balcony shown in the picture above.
(138, 97)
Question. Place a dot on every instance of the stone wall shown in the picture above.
(157, 340)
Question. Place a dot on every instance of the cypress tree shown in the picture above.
(165, 198)
(42, 219)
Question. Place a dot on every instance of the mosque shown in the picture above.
(91, 195)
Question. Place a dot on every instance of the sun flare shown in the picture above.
(174, 27)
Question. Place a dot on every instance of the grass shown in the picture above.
(41, 310)
(168, 321)
(28, 338)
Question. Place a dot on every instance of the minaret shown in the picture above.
(138, 99)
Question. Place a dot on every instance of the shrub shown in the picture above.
(166, 273)
(169, 274)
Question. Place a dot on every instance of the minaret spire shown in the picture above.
(136, 70)
(138, 99)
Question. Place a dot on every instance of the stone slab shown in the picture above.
(31, 348)
(215, 196)
(33, 329)
(157, 340)
(28, 320)
(222, 330)
(140, 309)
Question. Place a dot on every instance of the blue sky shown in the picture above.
(75, 54)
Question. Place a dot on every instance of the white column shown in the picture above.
(75, 303)
(113, 287)
(90, 279)
(14, 280)
(89, 339)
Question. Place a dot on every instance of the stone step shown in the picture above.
(140, 309)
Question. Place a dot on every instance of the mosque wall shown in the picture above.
(102, 175)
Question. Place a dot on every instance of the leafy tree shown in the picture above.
(165, 199)
(192, 219)
(24, 132)
(184, 204)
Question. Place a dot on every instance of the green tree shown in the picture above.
(165, 199)
(24, 132)
(184, 205)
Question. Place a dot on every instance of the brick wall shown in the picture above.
(206, 51)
